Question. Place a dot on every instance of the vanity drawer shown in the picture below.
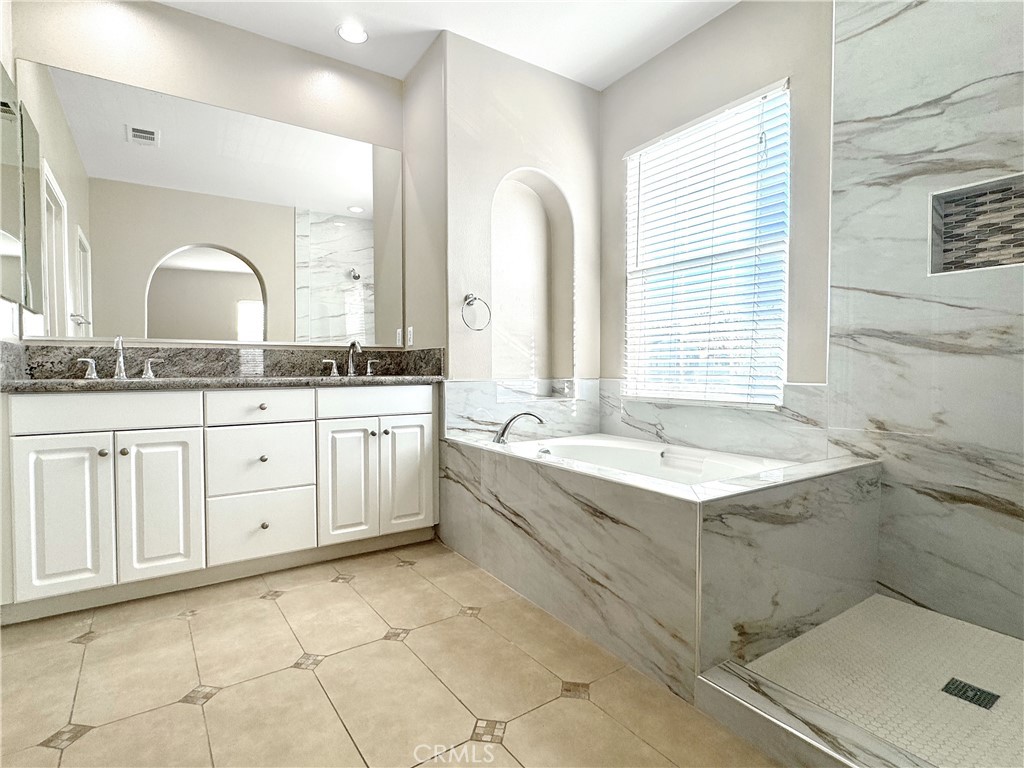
(104, 411)
(343, 402)
(259, 406)
(235, 529)
(259, 458)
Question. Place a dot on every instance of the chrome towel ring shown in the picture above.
(469, 301)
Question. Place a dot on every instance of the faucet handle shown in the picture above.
(334, 367)
(90, 372)
(150, 362)
(369, 366)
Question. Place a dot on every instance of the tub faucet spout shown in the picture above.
(501, 436)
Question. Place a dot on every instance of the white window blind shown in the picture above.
(707, 245)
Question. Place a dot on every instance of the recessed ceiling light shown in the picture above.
(352, 32)
(355, 209)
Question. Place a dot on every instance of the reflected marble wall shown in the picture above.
(330, 305)
(926, 372)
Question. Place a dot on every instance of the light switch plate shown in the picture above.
(408, 337)
(398, 338)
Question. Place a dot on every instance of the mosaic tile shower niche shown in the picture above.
(978, 226)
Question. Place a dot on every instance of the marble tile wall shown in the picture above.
(777, 562)
(926, 373)
(476, 409)
(59, 361)
(616, 563)
(331, 306)
(795, 431)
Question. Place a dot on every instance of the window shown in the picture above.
(707, 244)
(250, 320)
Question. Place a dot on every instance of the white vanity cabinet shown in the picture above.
(96, 503)
(63, 513)
(376, 461)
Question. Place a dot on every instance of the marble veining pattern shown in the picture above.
(925, 372)
(795, 431)
(616, 563)
(476, 409)
(778, 561)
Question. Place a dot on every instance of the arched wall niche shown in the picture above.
(194, 292)
(532, 270)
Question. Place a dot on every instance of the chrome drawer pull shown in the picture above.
(124, 451)
(387, 431)
(103, 452)
(373, 433)
(263, 406)
(264, 459)
(264, 526)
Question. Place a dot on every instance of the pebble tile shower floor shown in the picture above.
(399, 658)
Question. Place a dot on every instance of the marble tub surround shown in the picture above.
(925, 371)
(778, 561)
(59, 361)
(476, 409)
(613, 554)
(794, 431)
(615, 563)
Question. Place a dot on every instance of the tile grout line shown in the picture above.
(340, 718)
(202, 707)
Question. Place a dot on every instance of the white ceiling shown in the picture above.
(201, 258)
(594, 43)
(211, 150)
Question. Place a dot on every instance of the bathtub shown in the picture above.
(674, 464)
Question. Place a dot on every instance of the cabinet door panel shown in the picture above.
(160, 502)
(348, 481)
(63, 513)
(406, 473)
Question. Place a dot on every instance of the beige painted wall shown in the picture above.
(426, 198)
(190, 304)
(132, 233)
(153, 46)
(504, 115)
(746, 48)
(57, 147)
(7, 36)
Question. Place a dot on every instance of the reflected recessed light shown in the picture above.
(340, 224)
(352, 32)
(355, 209)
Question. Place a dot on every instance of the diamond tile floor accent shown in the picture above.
(575, 690)
(66, 736)
(308, 661)
(242, 678)
(492, 731)
(199, 695)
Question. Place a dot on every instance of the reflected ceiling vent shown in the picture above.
(7, 111)
(142, 136)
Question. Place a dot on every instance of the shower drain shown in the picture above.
(970, 693)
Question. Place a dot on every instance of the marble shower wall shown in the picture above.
(780, 561)
(331, 306)
(475, 410)
(926, 373)
(617, 563)
(794, 431)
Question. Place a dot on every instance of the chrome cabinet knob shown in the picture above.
(264, 526)
(373, 433)
(387, 431)
(264, 458)
(103, 452)
(263, 406)
(124, 451)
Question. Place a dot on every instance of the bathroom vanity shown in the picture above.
(113, 487)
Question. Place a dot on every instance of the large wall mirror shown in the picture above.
(156, 217)
(10, 191)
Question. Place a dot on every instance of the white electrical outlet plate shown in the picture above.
(398, 337)
(408, 337)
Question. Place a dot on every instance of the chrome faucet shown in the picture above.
(502, 434)
(355, 348)
(119, 373)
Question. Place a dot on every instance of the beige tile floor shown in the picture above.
(406, 657)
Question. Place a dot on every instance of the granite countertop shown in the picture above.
(32, 386)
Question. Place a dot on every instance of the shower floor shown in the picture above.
(882, 665)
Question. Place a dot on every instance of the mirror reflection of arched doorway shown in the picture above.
(206, 293)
